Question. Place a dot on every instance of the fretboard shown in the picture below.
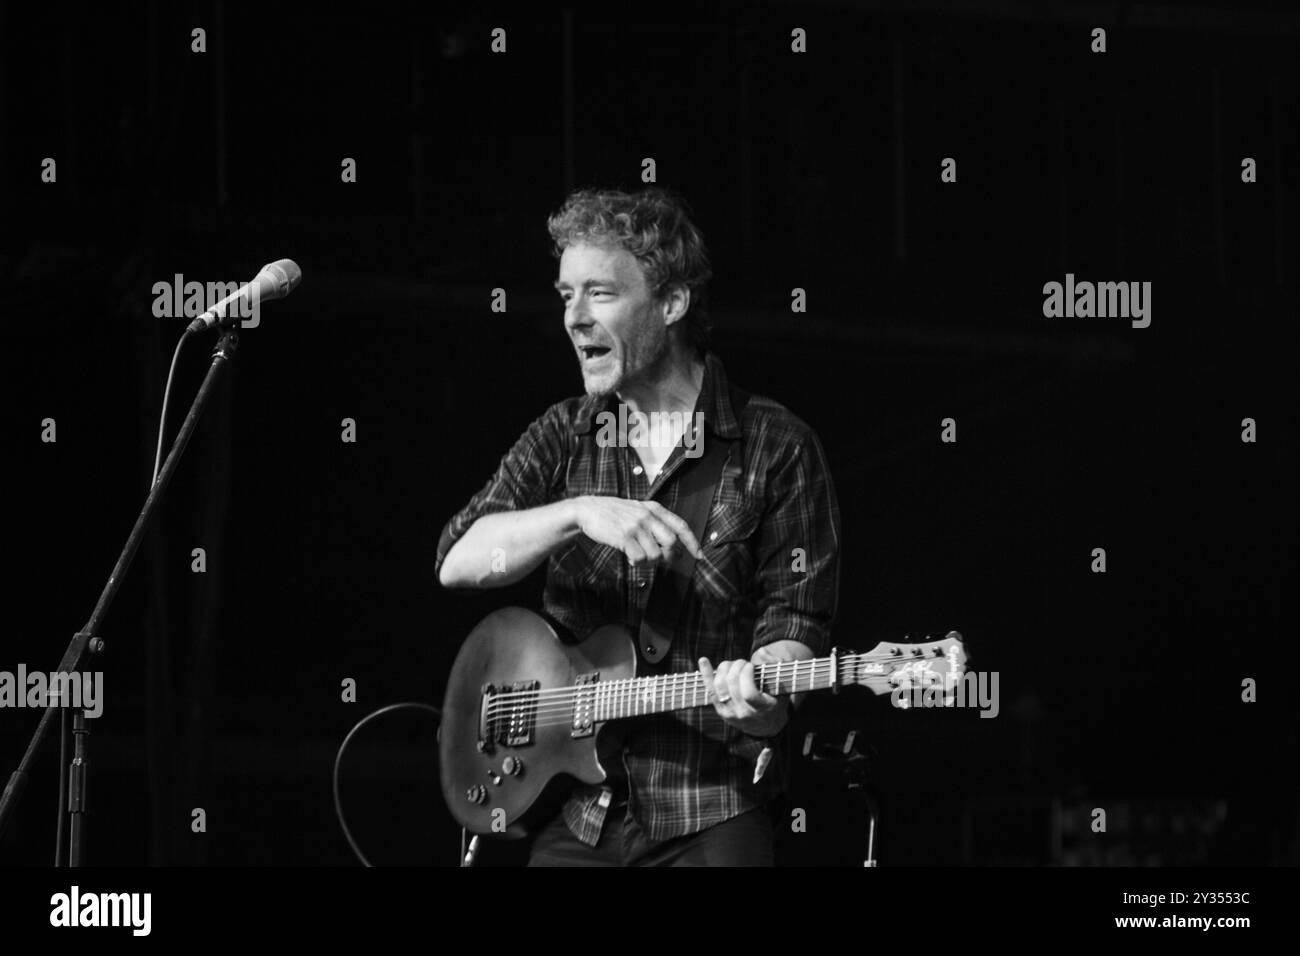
(636, 696)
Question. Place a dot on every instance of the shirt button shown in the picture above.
(637, 470)
(640, 584)
(713, 536)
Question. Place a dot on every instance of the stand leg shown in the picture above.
(84, 640)
(78, 793)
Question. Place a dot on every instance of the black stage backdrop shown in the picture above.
(811, 141)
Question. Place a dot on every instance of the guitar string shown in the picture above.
(625, 706)
(623, 698)
(852, 661)
(628, 686)
(824, 662)
(647, 687)
(819, 668)
(566, 718)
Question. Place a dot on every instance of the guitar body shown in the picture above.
(494, 759)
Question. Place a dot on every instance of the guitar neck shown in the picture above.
(663, 693)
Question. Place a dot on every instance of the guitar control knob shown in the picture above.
(476, 794)
(512, 766)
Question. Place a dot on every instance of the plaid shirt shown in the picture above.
(770, 572)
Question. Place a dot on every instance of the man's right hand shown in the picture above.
(645, 531)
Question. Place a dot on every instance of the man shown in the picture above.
(598, 503)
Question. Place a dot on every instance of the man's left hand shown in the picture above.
(738, 700)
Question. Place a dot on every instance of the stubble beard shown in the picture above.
(643, 361)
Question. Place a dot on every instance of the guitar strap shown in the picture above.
(697, 485)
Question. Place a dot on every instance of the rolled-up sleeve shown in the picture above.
(530, 474)
(799, 552)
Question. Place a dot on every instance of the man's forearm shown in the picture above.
(502, 548)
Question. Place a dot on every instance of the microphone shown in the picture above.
(274, 281)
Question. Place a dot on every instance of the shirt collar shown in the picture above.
(714, 400)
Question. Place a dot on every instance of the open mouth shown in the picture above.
(592, 353)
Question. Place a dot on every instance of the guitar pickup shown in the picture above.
(584, 705)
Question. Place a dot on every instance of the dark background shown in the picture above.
(1119, 690)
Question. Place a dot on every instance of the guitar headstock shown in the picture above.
(891, 665)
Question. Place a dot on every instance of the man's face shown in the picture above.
(612, 321)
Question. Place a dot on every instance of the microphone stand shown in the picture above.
(855, 767)
(86, 640)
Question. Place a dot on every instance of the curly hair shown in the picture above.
(653, 225)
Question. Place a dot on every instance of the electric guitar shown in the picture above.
(524, 711)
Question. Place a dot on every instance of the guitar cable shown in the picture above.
(338, 762)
